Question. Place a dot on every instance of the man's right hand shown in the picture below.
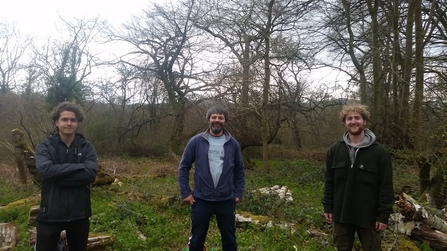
(189, 200)
(328, 217)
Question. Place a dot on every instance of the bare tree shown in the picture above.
(12, 51)
(162, 46)
(256, 33)
(136, 103)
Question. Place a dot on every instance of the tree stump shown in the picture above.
(24, 157)
(9, 235)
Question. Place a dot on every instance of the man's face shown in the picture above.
(216, 123)
(354, 123)
(67, 123)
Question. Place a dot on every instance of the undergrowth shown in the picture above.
(147, 213)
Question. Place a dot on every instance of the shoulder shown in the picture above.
(232, 142)
(379, 147)
(79, 136)
(42, 146)
(197, 139)
(338, 143)
(46, 142)
(199, 136)
(337, 147)
(81, 139)
(376, 144)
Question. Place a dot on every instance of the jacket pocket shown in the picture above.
(340, 170)
(367, 174)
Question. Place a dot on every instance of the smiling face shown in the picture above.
(354, 123)
(216, 124)
(67, 123)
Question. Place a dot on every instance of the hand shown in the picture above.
(189, 200)
(237, 200)
(380, 226)
(328, 217)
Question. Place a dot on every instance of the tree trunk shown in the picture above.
(24, 157)
(266, 89)
(358, 66)
(407, 71)
(415, 126)
(424, 172)
(377, 70)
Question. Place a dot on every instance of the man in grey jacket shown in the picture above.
(67, 164)
(358, 192)
(219, 181)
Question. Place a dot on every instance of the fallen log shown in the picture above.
(425, 233)
(420, 224)
(412, 210)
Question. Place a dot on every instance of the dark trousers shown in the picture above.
(48, 235)
(201, 212)
(344, 235)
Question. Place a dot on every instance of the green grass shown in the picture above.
(147, 213)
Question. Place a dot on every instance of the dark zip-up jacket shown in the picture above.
(358, 193)
(67, 173)
(232, 180)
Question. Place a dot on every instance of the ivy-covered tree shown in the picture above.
(65, 85)
(66, 63)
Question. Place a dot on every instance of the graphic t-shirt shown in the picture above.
(216, 156)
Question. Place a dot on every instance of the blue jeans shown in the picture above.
(201, 212)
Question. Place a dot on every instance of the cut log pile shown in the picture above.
(420, 224)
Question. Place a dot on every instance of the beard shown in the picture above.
(216, 128)
(359, 130)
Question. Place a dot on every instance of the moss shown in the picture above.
(261, 219)
(405, 244)
(22, 202)
(103, 178)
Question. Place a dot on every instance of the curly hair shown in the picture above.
(67, 106)
(361, 109)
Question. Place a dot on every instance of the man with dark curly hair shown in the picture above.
(67, 164)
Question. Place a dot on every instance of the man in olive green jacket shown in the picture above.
(358, 192)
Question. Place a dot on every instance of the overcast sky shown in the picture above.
(39, 16)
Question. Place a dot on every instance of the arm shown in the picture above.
(85, 176)
(48, 170)
(239, 173)
(185, 165)
(328, 195)
(386, 190)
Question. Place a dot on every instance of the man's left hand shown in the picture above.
(380, 226)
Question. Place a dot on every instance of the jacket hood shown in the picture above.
(370, 137)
